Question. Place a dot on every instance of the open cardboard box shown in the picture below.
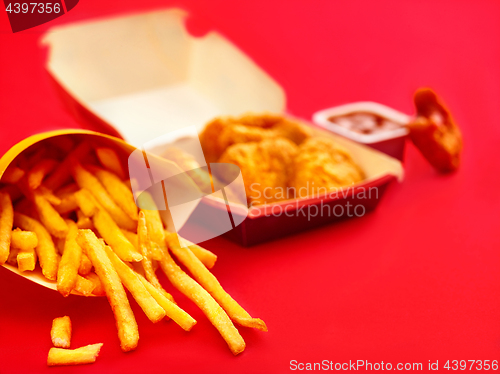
(142, 76)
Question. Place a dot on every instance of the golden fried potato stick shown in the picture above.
(6, 222)
(129, 278)
(63, 173)
(197, 294)
(114, 237)
(118, 190)
(46, 251)
(98, 288)
(106, 227)
(110, 160)
(85, 223)
(49, 195)
(128, 332)
(25, 242)
(68, 204)
(155, 225)
(132, 238)
(52, 220)
(86, 180)
(178, 315)
(204, 255)
(85, 265)
(12, 175)
(204, 277)
(38, 172)
(70, 262)
(68, 189)
(144, 242)
(79, 356)
(84, 286)
(86, 202)
(156, 251)
(61, 332)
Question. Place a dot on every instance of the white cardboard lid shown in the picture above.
(146, 75)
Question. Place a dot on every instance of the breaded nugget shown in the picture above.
(265, 167)
(320, 165)
(435, 133)
(223, 132)
(236, 134)
(294, 131)
(209, 138)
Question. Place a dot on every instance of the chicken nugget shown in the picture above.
(265, 167)
(223, 132)
(435, 133)
(320, 165)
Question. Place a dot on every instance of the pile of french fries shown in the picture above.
(69, 207)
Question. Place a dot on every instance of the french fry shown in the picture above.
(70, 262)
(204, 255)
(86, 180)
(155, 225)
(106, 227)
(98, 288)
(38, 172)
(144, 243)
(6, 222)
(197, 294)
(110, 160)
(85, 265)
(84, 286)
(114, 237)
(49, 217)
(128, 332)
(129, 278)
(45, 250)
(178, 315)
(68, 204)
(85, 223)
(61, 332)
(204, 277)
(68, 189)
(49, 195)
(156, 251)
(26, 261)
(86, 202)
(63, 173)
(25, 242)
(118, 190)
(12, 175)
(79, 356)
(132, 238)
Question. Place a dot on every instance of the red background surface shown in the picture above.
(416, 280)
